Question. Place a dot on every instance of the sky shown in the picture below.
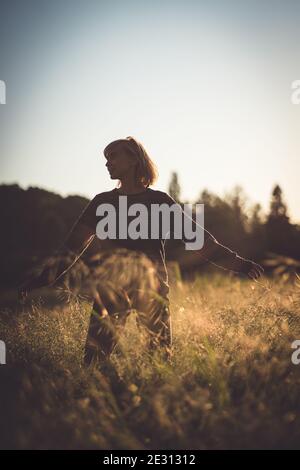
(204, 85)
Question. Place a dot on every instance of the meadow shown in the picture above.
(229, 385)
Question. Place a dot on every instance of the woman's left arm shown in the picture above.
(211, 251)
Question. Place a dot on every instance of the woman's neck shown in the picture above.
(131, 188)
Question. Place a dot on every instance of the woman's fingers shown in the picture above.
(254, 273)
(251, 274)
(255, 270)
(259, 268)
(22, 295)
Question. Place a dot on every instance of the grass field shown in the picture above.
(230, 384)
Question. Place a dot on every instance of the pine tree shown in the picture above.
(278, 228)
(278, 209)
(174, 187)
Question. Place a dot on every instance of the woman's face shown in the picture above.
(119, 163)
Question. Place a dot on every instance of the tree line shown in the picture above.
(35, 222)
(247, 230)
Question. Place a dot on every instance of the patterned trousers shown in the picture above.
(153, 315)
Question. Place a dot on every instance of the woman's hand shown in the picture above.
(49, 272)
(22, 295)
(24, 289)
(35, 281)
(251, 269)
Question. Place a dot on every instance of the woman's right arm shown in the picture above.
(83, 230)
(78, 239)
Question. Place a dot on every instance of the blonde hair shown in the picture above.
(146, 171)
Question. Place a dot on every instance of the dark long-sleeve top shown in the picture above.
(162, 249)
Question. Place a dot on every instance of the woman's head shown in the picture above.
(129, 156)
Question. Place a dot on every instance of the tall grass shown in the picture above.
(230, 382)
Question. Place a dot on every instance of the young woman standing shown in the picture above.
(128, 162)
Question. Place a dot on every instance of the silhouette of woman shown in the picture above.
(128, 162)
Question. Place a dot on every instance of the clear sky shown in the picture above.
(204, 85)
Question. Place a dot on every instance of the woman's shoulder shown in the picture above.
(154, 195)
(104, 195)
(162, 196)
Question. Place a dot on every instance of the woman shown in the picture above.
(128, 162)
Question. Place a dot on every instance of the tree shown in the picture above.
(174, 187)
(278, 228)
(278, 209)
(256, 233)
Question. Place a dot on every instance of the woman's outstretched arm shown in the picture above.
(212, 251)
(76, 242)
